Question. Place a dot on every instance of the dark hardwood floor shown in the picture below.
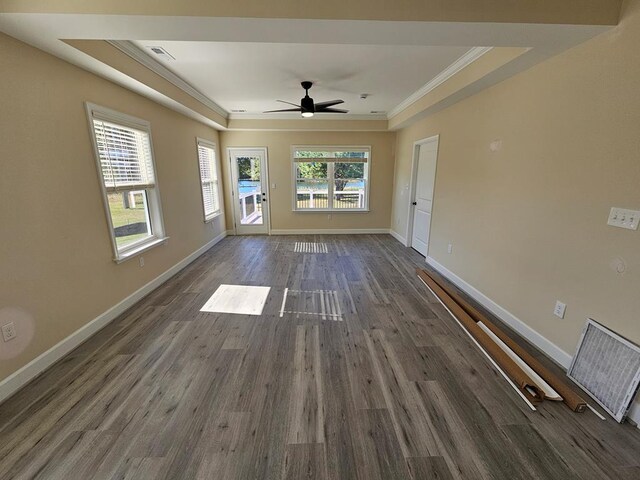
(383, 386)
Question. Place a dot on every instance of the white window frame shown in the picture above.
(330, 177)
(201, 142)
(154, 206)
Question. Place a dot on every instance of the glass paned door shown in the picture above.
(250, 190)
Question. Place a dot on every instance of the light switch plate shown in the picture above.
(560, 309)
(623, 218)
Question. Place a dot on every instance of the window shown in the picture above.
(125, 164)
(331, 178)
(209, 179)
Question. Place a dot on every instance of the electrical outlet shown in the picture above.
(559, 310)
(141, 261)
(9, 331)
(623, 218)
(450, 248)
(329, 216)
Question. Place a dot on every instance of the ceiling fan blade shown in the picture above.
(329, 103)
(284, 110)
(331, 110)
(283, 101)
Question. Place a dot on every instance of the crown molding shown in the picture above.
(143, 58)
(468, 58)
(296, 116)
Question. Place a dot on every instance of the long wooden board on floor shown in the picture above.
(525, 383)
(569, 396)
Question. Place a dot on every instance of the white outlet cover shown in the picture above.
(560, 309)
(624, 218)
(9, 331)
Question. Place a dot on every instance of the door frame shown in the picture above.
(265, 152)
(412, 187)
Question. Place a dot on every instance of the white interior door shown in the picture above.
(250, 182)
(422, 202)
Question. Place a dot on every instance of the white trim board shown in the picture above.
(398, 237)
(330, 231)
(35, 367)
(549, 348)
(634, 412)
(296, 116)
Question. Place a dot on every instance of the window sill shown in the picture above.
(326, 210)
(140, 249)
(212, 217)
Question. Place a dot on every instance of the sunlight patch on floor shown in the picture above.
(239, 299)
(322, 303)
(310, 247)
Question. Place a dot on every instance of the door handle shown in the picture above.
(414, 203)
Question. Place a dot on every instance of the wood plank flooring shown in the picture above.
(390, 389)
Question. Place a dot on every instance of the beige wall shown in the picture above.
(280, 172)
(528, 222)
(55, 252)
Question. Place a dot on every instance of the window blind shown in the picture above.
(209, 179)
(347, 155)
(125, 157)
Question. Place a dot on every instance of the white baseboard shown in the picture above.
(330, 231)
(634, 412)
(551, 349)
(398, 237)
(18, 379)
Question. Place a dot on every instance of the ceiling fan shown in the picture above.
(308, 108)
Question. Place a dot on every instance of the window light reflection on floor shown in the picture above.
(238, 299)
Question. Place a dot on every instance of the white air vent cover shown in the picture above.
(160, 52)
(607, 367)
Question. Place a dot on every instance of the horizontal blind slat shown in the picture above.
(125, 156)
(209, 179)
(128, 187)
(330, 160)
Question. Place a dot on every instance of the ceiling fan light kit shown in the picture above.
(307, 106)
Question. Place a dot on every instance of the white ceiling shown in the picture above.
(248, 63)
(251, 76)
